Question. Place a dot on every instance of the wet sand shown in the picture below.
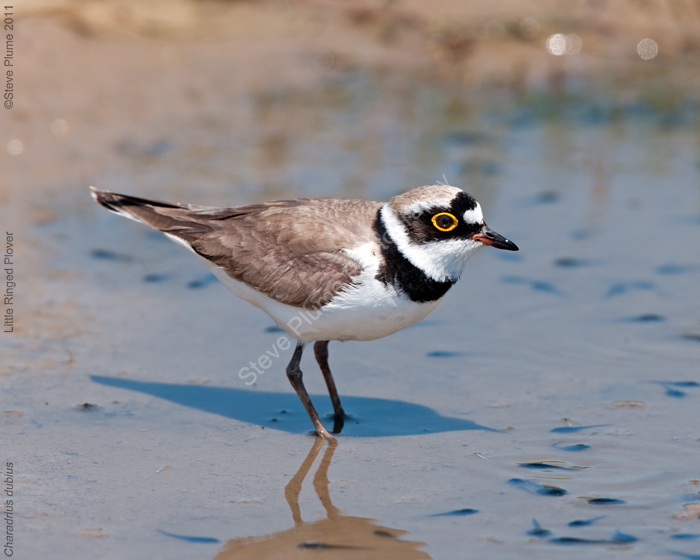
(547, 407)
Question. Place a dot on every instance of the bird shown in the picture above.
(329, 269)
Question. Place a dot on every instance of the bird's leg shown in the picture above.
(294, 375)
(321, 482)
(321, 352)
(293, 488)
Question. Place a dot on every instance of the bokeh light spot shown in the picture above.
(647, 49)
(559, 44)
(556, 44)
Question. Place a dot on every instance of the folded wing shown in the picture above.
(290, 250)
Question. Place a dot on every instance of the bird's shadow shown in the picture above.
(368, 417)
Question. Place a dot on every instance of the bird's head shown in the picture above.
(437, 228)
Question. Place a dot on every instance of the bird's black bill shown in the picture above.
(489, 237)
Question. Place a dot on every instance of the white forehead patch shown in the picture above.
(474, 216)
(421, 206)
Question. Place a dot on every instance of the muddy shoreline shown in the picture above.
(550, 400)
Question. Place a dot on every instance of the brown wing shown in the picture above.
(291, 250)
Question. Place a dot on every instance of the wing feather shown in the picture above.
(290, 250)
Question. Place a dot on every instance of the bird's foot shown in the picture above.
(338, 420)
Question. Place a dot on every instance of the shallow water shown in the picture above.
(548, 406)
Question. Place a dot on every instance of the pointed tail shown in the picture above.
(179, 220)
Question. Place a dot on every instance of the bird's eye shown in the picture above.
(444, 221)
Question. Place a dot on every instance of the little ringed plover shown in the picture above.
(329, 269)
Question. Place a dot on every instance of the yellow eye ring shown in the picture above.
(453, 225)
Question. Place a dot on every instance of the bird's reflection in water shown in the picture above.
(335, 537)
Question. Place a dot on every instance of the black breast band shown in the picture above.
(398, 271)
